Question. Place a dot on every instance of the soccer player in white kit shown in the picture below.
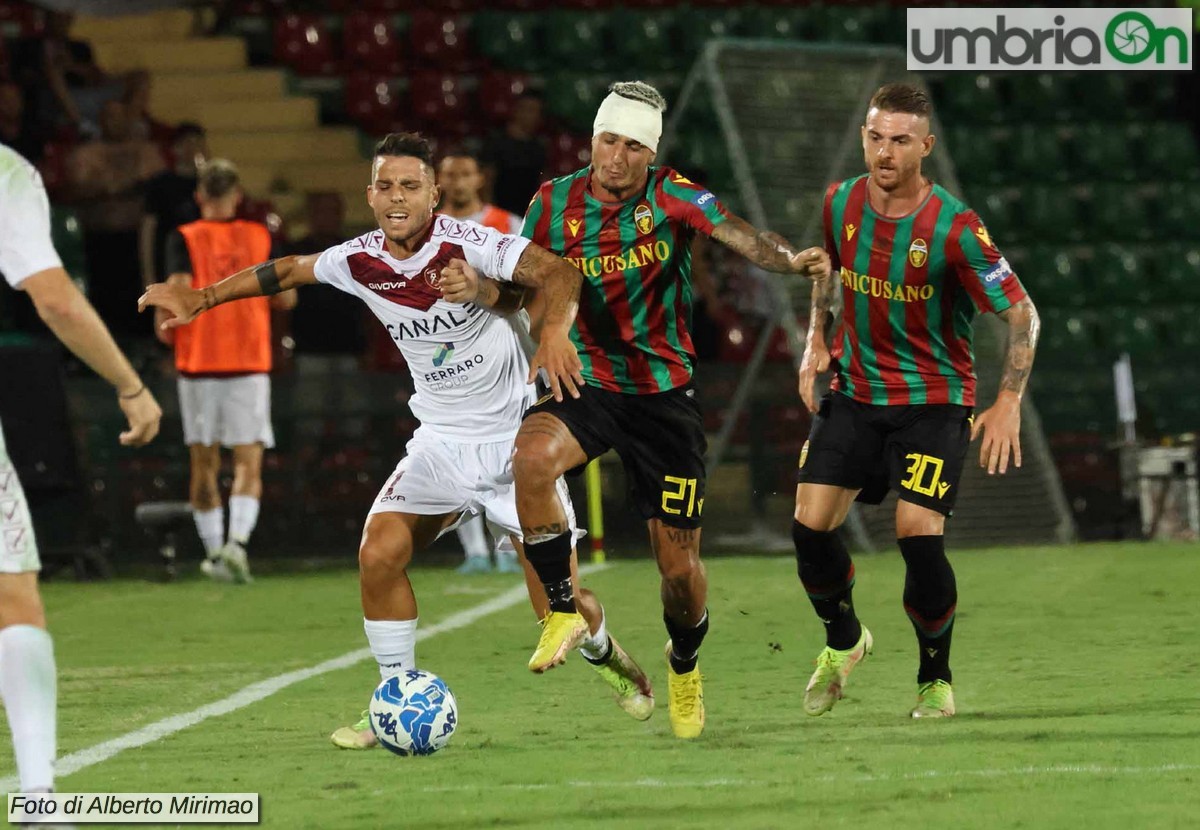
(30, 264)
(473, 384)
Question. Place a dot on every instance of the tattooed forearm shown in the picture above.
(557, 279)
(824, 297)
(268, 278)
(1024, 325)
(768, 251)
(210, 297)
(501, 297)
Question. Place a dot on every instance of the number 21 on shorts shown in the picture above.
(679, 497)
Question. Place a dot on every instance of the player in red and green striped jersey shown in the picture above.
(627, 225)
(914, 266)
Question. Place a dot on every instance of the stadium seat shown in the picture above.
(979, 157)
(1051, 213)
(573, 97)
(1036, 152)
(568, 152)
(1177, 270)
(1178, 209)
(1170, 150)
(439, 40)
(1000, 211)
(578, 40)
(968, 99)
(1121, 212)
(1129, 331)
(697, 26)
(1052, 276)
(1100, 152)
(846, 24)
(773, 22)
(1103, 95)
(303, 43)
(370, 41)
(510, 40)
(1119, 275)
(645, 40)
(371, 102)
(497, 91)
(441, 102)
(1068, 338)
(1042, 96)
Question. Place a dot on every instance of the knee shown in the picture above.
(380, 559)
(814, 520)
(680, 573)
(535, 462)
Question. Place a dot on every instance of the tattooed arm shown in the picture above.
(183, 303)
(1001, 424)
(558, 283)
(770, 251)
(816, 351)
(460, 283)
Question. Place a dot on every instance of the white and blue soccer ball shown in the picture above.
(413, 713)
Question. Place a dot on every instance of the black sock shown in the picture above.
(552, 561)
(685, 643)
(827, 574)
(930, 598)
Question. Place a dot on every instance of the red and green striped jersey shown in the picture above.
(635, 308)
(910, 289)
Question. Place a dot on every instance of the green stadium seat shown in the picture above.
(1177, 322)
(1041, 97)
(1119, 275)
(1053, 277)
(1050, 214)
(1169, 150)
(510, 40)
(644, 40)
(1130, 331)
(977, 155)
(1068, 338)
(578, 39)
(697, 26)
(1102, 95)
(1121, 212)
(1101, 152)
(1177, 271)
(970, 99)
(574, 96)
(849, 24)
(1178, 210)
(1000, 211)
(1036, 152)
(774, 22)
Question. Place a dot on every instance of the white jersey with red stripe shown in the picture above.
(468, 365)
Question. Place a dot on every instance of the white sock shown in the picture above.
(473, 540)
(595, 646)
(393, 643)
(210, 524)
(243, 516)
(28, 688)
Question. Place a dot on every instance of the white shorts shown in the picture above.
(226, 411)
(18, 548)
(438, 477)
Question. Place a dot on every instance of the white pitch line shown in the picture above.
(658, 783)
(265, 688)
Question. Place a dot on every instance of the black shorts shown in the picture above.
(659, 437)
(917, 450)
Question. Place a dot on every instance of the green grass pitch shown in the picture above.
(1075, 677)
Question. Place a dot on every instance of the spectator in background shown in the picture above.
(17, 131)
(142, 123)
(107, 179)
(63, 84)
(461, 180)
(171, 199)
(514, 158)
(328, 321)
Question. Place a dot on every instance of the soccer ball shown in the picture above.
(413, 713)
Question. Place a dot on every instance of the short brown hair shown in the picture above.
(902, 98)
(218, 177)
(406, 144)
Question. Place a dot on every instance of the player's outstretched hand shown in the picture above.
(180, 303)
(1001, 429)
(556, 354)
(814, 362)
(143, 413)
(459, 282)
(813, 263)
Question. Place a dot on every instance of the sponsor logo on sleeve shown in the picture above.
(996, 273)
(702, 198)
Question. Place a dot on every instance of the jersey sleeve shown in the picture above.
(690, 203)
(536, 226)
(491, 253)
(175, 255)
(25, 244)
(980, 267)
(831, 243)
(333, 267)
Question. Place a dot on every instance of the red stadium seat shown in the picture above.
(497, 92)
(303, 42)
(369, 41)
(371, 102)
(439, 39)
(439, 102)
(568, 153)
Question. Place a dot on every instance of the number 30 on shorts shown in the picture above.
(679, 497)
(925, 475)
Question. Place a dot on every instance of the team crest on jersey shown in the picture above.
(433, 277)
(918, 252)
(850, 229)
(643, 219)
(803, 455)
(573, 226)
(983, 236)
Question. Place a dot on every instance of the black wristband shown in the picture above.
(133, 395)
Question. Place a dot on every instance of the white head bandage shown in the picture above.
(638, 118)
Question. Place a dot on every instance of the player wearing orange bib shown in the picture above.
(223, 359)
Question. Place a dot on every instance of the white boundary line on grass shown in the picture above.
(265, 688)
(715, 783)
